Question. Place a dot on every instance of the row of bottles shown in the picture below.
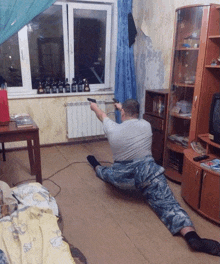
(63, 87)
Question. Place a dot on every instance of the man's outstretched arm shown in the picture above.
(99, 113)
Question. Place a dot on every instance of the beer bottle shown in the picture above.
(60, 87)
(80, 85)
(54, 86)
(74, 85)
(86, 85)
(40, 89)
(47, 87)
(67, 86)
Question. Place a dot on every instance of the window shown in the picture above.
(89, 39)
(46, 46)
(68, 40)
(10, 66)
(15, 68)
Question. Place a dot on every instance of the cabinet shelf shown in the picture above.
(173, 174)
(180, 116)
(156, 114)
(175, 147)
(213, 66)
(184, 84)
(211, 146)
(187, 49)
(206, 139)
(215, 37)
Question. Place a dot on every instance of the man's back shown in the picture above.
(130, 140)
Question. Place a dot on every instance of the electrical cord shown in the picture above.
(49, 178)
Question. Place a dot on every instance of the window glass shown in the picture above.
(68, 40)
(10, 66)
(45, 37)
(89, 44)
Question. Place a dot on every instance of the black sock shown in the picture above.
(93, 161)
(202, 244)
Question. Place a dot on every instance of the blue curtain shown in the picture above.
(125, 82)
(14, 14)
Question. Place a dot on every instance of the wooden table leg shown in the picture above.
(34, 157)
(37, 158)
(3, 151)
(31, 157)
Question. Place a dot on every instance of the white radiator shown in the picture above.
(82, 121)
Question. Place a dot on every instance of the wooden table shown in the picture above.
(10, 133)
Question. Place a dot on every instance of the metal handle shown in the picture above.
(195, 101)
(197, 172)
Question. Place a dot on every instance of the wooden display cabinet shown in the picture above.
(194, 80)
(191, 183)
(155, 113)
(200, 186)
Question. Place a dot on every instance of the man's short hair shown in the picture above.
(131, 107)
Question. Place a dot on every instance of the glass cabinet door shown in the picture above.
(184, 70)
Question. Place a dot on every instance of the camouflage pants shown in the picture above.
(146, 176)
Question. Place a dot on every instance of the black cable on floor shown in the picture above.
(49, 178)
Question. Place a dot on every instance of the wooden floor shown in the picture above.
(109, 226)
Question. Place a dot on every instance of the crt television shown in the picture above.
(214, 119)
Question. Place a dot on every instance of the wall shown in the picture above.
(49, 113)
(153, 51)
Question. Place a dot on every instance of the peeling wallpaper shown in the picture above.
(149, 68)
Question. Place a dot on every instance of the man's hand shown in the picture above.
(118, 106)
(93, 106)
(99, 113)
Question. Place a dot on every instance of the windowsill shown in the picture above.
(34, 95)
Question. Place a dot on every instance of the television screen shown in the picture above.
(214, 120)
(216, 116)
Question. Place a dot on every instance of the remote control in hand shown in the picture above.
(202, 157)
(91, 100)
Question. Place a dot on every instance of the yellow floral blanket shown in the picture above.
(30, 235)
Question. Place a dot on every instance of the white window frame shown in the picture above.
(26, 87)
(26, 90)
(87, 6)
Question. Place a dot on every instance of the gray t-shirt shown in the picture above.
(129, 140)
